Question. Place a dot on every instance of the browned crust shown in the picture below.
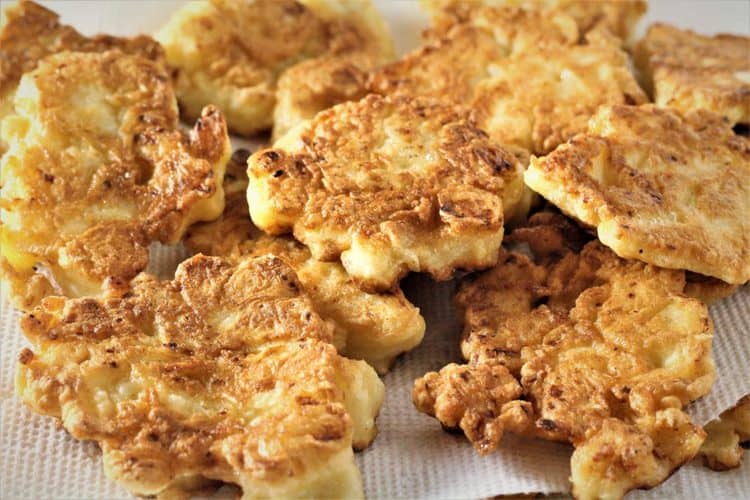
(598, 359)
(388, 171)
(688, 71)
(224, 373)
(101, 180)
(32, 32)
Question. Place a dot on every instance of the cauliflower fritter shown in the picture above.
(233, 53)
(97, 168)
(727, 437)
(388, 185)
(541, 97)
(30, 33)
(607, 353)
(708, 290)
(667, 189)
(524, 73)
(450, 66)
(617, 16)
(226, 373)
(687, 71)
(376, 327)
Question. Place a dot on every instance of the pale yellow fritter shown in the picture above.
(388, 185)
(543, 96)
(667, 189)
(617, 16)
(451, 65)
(607, 353)
(375, 327)
(97, 168)
(31, 32)
(723, 448)
(358, 43)
(233, 53)
(688, 71)
(525, 74)
(226, 373)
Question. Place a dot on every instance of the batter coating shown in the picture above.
(541, 97)
(687, 71)
(663, 188)
(226, 373)
(376, 327)
(388, 185)
(235, 54)
(451, 64)
(617, 16)
(31, 32)
(727, 437)
(97, 168)
(607, 353)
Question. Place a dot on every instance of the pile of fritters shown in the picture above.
(585, 316)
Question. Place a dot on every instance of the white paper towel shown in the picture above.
(412, 456)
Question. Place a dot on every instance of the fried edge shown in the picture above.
(581, 374)
(225, 373)
(727, 437)
(348, 186)
(375, 327)
(659, 187)
(103, 185)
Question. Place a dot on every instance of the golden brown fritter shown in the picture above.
(500, 305)
(707, 289)
(667, 189)
(607, 353)
(617, 16)
(687, 71)
(388, 185)
(31, 32)
(375, 327)
(723, 448)
(225, 373)
(541, 97)
(97, 168)
(358, 41)
(451, 65)
(482, 400)
(524, 73)
(233, 53)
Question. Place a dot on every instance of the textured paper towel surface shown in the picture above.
(412, 457)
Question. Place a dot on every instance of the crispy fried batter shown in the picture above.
(723, 448)
(543, 96)
(97, 169)
(607, 353)
(233, 53)
(30, 33)
(375, 327)
(667, 189)
(225, 373)
(688, 71)
(481, 400)
(618, 16)
(389, 185)
(450, 66)
(523, 72)
(338, 75)
(708, 290)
